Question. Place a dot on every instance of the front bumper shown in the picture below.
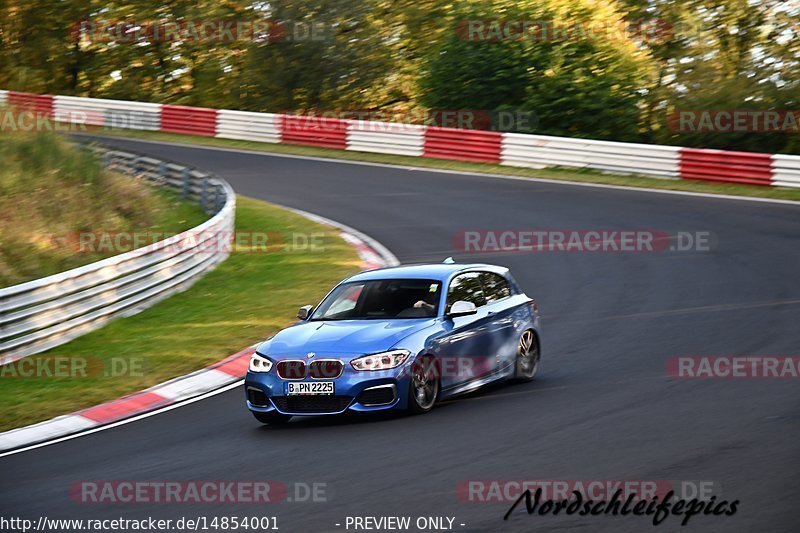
(353, 391)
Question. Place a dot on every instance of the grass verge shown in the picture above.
(52, 191)
(560, 174)
(245, 299)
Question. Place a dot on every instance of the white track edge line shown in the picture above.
(134, 418)
(385, 254)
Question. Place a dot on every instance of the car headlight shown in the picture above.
(259, 363)
(381, 361)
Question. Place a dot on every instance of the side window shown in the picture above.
(466, 287)
(495, 286)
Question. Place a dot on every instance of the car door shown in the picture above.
(501, 333)
(462, 352)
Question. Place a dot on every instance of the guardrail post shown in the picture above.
(204, 194)
(220, 196)
(187, 179)
(162, 173)
(212, 198)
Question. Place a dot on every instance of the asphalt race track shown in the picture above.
(603, 406)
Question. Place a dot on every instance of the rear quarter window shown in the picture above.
(495, 286)
(466, 287)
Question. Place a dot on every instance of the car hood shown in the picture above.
(342, 337)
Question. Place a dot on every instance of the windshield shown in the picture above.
(384, 298)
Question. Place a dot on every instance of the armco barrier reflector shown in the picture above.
(112, 114)
(386, 137)
(314, 131)
(786, 170)
(727, 167)
(191, 120)
(244, 125)
(463, 145)
(40, 104)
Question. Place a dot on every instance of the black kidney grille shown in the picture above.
(329, 369)
(292, 369)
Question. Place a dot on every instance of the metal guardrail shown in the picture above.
(508, 149)
(726, 167)
(463, 145)
(120, 114)
(248, 126)
(786, 170)
(43, 313)
(386, 138)
(189, 120)
(541, 151)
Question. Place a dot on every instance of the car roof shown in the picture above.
(436, 271)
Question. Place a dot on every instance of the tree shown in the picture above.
(574, 67)
(328, 57)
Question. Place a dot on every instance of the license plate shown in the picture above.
(309, 387)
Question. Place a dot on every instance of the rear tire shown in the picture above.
(274, 418)
(424, 385)
(528, 356)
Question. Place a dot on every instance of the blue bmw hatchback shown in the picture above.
(397, 338)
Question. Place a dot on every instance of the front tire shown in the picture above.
(423, 386)
(272, 418)
(528, 356)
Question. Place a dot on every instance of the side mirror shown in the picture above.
(305, 312)
(462, 308)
